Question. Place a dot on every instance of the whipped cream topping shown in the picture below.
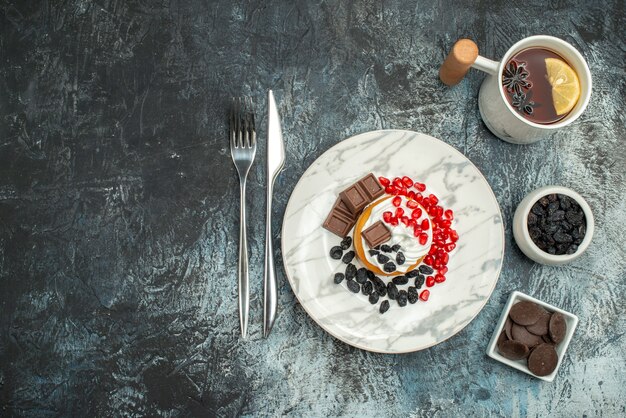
(400, 234)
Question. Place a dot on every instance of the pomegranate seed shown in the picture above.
(387, 216)
(423, 238)
(412, 204)
(432, 211)
(396, 201)
(420, 186)
(394, 221)
(399, 212)
(416, 214)
(419, 197)
(430, 281)
(433, 199)
(445, 223)
(454, 237)
(412, 223)
(411, 195)
(439, 243)
(437, 236)
(433, 250)
(444, 259)
(384, 181)
(405, 220)
(425, 202)
(424, 295)
(440, 252)
(443, 270)
(437, 220)
(449, 247)
(437, 264)
(428, 260)
(425, 224)
(389, 189)
(403, 191)
(440, 278)
(398, 182)
(439, 211)
(396, 190)
(407, 181)
(449, 214)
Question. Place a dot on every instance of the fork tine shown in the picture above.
(245, 131)
(248, 110)
(251, 124)
(233, 126)
(239, 127)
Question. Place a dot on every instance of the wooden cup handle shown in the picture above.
(458, 62)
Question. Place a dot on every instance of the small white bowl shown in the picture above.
(522, 236)
(492, 350)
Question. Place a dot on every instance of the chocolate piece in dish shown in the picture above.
(525, 313)
(372, 187)
(501, 338)
(522, 335)
(557, 327)
(507, 327)
(543, 360)
(541, 326)
(355, 198)
(338, 224)
(513, 350)
(376, 234)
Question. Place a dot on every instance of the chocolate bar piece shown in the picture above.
(350, 203)
(337, 223)
(341, 208)
(372, 187)
(376, 234)
(355, 198)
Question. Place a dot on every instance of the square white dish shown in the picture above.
(570, 319)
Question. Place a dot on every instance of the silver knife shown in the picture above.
(275, 162)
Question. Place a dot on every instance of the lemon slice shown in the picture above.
(565, 85)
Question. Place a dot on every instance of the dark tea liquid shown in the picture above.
(526, 86)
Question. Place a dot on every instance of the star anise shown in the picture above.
(514, 77)
(522, 102)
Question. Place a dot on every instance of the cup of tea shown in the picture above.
(541, 84)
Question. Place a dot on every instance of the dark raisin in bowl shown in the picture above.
(550, 231)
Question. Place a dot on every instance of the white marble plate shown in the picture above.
(474, 266)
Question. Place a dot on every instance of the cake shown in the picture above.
(411, 250)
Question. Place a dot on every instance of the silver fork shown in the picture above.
(243, 150)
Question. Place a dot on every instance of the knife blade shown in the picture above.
(275, 163)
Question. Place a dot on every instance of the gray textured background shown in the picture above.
(119, 205)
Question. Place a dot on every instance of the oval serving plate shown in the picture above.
(474, 266)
